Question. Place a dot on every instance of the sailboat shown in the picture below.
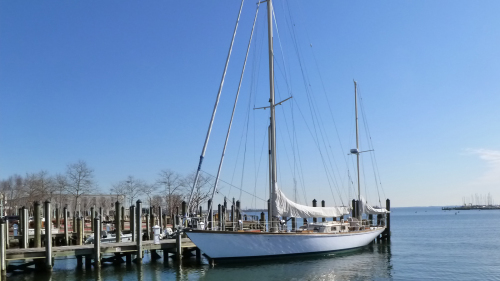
(316, 237)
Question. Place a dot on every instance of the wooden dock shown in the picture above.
(167, 245)
(42, 258)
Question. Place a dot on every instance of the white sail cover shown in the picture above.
(287, 208)
(368, 209)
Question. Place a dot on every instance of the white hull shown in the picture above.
(218, 245)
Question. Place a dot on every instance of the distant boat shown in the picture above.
(316, 237)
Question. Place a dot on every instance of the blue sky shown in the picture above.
(129, 88)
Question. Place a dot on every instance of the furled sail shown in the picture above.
(368, 209)
(287, 208)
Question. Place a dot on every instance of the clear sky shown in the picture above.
(129, 87)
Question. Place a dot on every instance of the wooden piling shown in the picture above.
(118, 223)
(132, 222)
(88, 258)
(148, 226)
(178, 245)
(387, 231)
(198, 254)
(151, 234)
(96, 222)
(122, 218)
(7, 237)
(210, 214)
(224, 218)
(315, 205)
(175, 219)
(79, 231)
(138, 239)
(66, 234)
(358, 210)
(354, 215)
(294, 224)
(92, 217)
(262, 221)
(323, 205)
(232, 215)
(38, 224)
(3, 262)
(219, 218)
(25, 228)
(184, 208)
(48, 237)
(160, 223)
(177, 216)
(238, 210)
(58, 218)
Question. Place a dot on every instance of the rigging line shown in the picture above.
(321, 128)
(214, 110)
(315, 140)
(282, 54)
(373, 156)
(329, 109)
(260, 161)
(364, 176)
(221, 180)
(304, 77)
(246, 140)
(316, 119)
(306, 82)
(287, 130)
(234, 106)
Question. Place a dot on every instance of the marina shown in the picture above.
(442, 252)
(249, 140)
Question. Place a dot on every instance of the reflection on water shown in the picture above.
(370, 263)
(373, 262)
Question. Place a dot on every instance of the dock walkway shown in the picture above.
(167, 245)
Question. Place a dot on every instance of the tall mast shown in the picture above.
(357, 134)
(272, 135)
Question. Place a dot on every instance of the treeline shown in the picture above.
(78, 190)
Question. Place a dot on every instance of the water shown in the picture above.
(426, 244)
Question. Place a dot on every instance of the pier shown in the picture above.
(41, 255)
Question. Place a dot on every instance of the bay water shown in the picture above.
(427, 243)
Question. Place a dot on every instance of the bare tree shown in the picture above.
(12, 191)
(80, 180)
(119, 189)
(157, 200)
(149, 190)
(61, 184)
(173, 184)
(202, 192)
(130, 188)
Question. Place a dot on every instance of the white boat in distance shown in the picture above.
(313, 238)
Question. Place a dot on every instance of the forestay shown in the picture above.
(287, 208)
